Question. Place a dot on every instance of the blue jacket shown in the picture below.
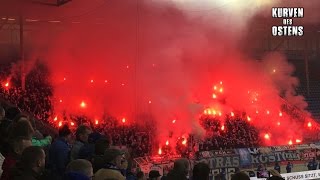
(59, 156)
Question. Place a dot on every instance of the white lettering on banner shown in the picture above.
(304, 175)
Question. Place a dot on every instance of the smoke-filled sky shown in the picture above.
(162, 57)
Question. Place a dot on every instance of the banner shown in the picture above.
(304, 175)
(275, 157)
(209, 154)
(223, 162)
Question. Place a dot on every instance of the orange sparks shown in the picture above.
(267, 136)
(174, 121)
(298, 141)
(167, 142)
(97, 122)
(123, 120)
(309, 124)
(55, 118)
(290, 142)
(83, 104)
(214, 96)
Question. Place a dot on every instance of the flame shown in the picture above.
(221, 90)
(60, 124)
(249, 119)
(309, 124)
(97, 122)
(7, 84)
(214, 96)
(290, 142)
(232, 114)
(159, 151)
(83, 104)
(184, 142)
(222, 127)
(298, 141)
(267, 136)
(55, 118)
(123, 120)
(72, 124)
(167, 142)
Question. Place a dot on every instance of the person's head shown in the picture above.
(154, 175)
(101, 146)
(65, 132)
(33, 157)
(181, 165)
(81, 166)
(113, 156)
(82, 133)
(201, 171)
(22, 128)
(240, 176)
(19, 144)
(2, 113)
(140, 175)
(20, 117)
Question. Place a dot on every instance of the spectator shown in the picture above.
(87, 150)
(79, 169)
(275, 175)
(32, 164)
(277, 167)
(59, 152)
(180, 170)
(240, 176)
(140, 176)
(100, 147)
(112, 167)
(18, 144)
(82, 135)
(289, 167)
(154, 175)
(201, 171)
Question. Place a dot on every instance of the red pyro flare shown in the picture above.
(278, 123)
(174, 121)
(123, 120)
(280, 114)
(159, 151)
(266, 136)
(214, 96)
(309, 124)
(7, 84)
(249, 119)
(83, 104)
(222, 128)
(298, 141)
(167, 142)
(232, 114)
(290, 142)
(91, 81)
(55, 118)
(184, 142)
(72, 124)
(60, 124)
(97, 122)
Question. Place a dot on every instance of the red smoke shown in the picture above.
(119, 59)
